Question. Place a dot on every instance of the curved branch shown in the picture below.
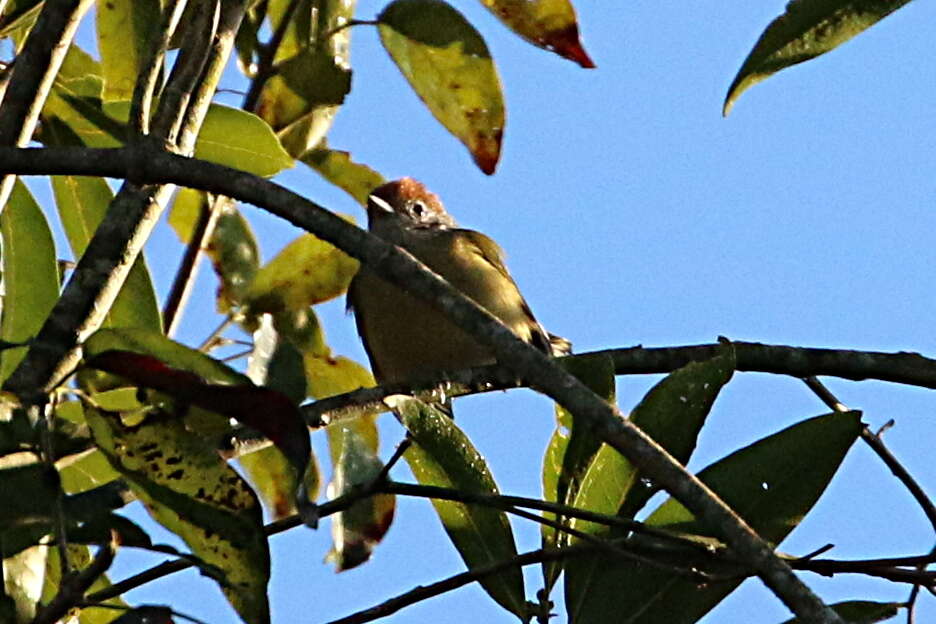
(399, 267)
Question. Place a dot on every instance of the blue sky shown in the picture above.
(633, 213)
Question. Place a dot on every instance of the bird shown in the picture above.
(407, 339)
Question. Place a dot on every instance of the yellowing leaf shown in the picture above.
(549, 24)
(189, 490)
(807, 29)
(307, 271)
(448, 64)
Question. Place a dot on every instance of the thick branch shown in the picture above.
(401, 268)
(33, 73)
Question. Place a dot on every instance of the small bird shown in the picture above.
(408, 339)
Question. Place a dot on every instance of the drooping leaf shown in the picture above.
(442, 455)
(277, 364)
(188, 489)
(232, 248)
(862, 611)
(549, 24)
(268, 411)
(124, 28)
(448, 64)
(357, 530)
(30, 273)
(313, 71)
(337, 167)
(772, 484)
(672, 413)
(571, 449)
(806, 30)
(82, 202)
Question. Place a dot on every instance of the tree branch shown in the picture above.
(33, 73)
(401, 268)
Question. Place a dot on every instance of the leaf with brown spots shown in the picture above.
(448, 64)
(549, 24)
(268, 411)
(188, 489)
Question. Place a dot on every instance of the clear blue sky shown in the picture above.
(632, 212)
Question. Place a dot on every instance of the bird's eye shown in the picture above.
(419, 208)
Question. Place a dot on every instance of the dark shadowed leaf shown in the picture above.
(188, 489)
(124, 28)
(772, 484)
(232, 248)
(448, 64)
(80, 557)
(444, 456)
(862, 611)
(30, 273)
(337, 167)
(572, 448)
(549, 24)
(807, 29)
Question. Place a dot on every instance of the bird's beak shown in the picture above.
(379, 203)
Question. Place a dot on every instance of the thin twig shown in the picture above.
(152, 65)
(73, 586)
(208, 212)
(421, 593)
(265, 60)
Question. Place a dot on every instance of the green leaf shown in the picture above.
(862, 611)
(806, 30)
(82, 203)
(442, 455)
(229, 136)
(549, 24)
(571, 448)
(313, 73)
(124, 28)
(672, 413)
(241, 140)
(30, 273)
(337, 167)
(772, 484)
(188, 489)
(268, 411)
(448, 64)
